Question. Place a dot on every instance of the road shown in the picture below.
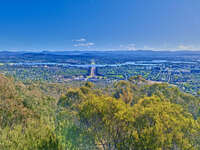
(92, 72)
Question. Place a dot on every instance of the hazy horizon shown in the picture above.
(40, 51)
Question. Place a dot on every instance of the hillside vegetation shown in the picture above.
(133, 114)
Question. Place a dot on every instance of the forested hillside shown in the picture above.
(133, 114)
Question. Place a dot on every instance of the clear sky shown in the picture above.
(99, 24)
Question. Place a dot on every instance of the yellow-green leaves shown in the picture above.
(164, 125)
(37, 135)
(150, 124)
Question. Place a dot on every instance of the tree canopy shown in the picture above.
(127, 115)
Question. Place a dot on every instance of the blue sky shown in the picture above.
(99, 25)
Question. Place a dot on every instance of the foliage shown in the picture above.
(150, 124)
(37, 135)
(130, 114)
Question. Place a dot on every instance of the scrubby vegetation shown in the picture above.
(133, 114)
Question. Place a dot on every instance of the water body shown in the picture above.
(137, 63)
(84, 65)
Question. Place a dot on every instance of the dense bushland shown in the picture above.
(133, 114)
